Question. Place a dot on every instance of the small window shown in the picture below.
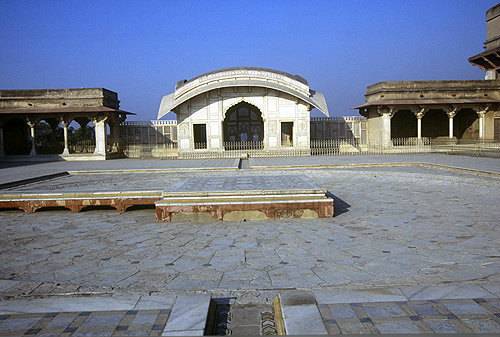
(200, 136)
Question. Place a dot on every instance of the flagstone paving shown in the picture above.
(400, 235)
(435, 316)
(404, 226)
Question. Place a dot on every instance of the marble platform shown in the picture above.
(244, 198)
(230, 198)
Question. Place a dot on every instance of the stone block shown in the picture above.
(189, 316)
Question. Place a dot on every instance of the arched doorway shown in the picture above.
(243, 124)
(404, 124)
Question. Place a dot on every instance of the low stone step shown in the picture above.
(245, 205)
(189, 316)
(300, 314)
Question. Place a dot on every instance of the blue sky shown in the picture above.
(140, 49)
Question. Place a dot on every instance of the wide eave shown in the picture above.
(487, 60)
(62, 110)
(437, 101)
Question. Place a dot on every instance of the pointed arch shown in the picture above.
(243, 123)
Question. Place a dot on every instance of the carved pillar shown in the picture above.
(100, 135)
(65, 123)
(420, 114)
(385, 125)
(31, 123)
(481, 111)
(481, 123)
(451, 114)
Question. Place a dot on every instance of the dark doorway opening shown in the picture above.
(16, 137)
(404, 124)
(466, 124)
(243, 124)
(200, 136)
(435, 124)
(287, 134)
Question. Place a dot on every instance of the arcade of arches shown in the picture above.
(461, 110)
(51, 135)
(37, 121)
(452, 123)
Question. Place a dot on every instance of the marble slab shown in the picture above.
(188, 316)
(243, 183)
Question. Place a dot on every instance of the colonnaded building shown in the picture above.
(233, 111)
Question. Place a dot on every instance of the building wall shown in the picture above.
(425, 90)
(210, 108)
(158, 132)
(58, 98)
(493, 28)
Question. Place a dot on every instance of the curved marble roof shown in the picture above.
(282, 73)
(294, 85)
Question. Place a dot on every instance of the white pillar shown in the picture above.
(451, 115)
(66, 147)
(481, 124)
(100, 135)
(386, 129)
(450, 127)
(419, 116)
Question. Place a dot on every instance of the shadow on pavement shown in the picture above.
(339, 205)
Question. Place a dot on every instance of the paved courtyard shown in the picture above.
(399, 234)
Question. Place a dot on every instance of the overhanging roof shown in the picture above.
(487, 60)
(437, 101)
(62, 110)
(169, 103)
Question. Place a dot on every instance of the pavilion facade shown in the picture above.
(21, 110)
(246, 106)
(453, 110)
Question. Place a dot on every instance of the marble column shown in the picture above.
(451, 115)
(65, 124)
(100, 135)
(481, 123)
(420, 114)
(385, 125)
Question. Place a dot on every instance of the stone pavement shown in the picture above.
(13, 171)
(86, 323)
(466, 162)
(435, 316)
(400, 235)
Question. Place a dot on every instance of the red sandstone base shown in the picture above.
(285, 210)
(76, 205)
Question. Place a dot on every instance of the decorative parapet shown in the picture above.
(242, 74)
(338, 118)
(150, 123)
(243, 77)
